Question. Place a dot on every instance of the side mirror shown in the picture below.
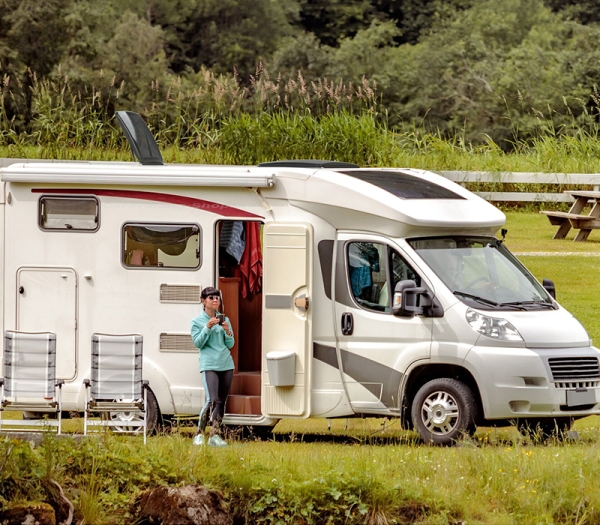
(410, 300)
(549, 287)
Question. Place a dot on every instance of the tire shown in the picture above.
(152, 417)
(443, 411)
(543, 429)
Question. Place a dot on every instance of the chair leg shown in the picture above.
(145, 412)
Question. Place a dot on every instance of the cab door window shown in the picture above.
(374, 269)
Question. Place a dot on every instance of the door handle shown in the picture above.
(347, 323)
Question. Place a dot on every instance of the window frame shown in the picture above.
(123, 251)
(68, 197)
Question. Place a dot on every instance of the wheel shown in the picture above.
(443, 410)
(152, 417)
(542, 429)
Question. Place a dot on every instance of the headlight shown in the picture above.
(492, 327)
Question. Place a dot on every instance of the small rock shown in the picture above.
(189, 505)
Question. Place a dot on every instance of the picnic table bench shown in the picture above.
(574, 218)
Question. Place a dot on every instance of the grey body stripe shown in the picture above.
(326, 354)
(278, 301)
(364, 371)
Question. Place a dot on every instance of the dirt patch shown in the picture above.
(190, 505)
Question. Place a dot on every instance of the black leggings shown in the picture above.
(216, 390)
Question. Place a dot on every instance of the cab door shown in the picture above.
(287, 313)
(47, 302)
(375, 348)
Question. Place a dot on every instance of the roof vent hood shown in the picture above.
(141, 141)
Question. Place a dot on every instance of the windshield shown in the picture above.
(482, 273)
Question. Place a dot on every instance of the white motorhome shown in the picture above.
(384, 292)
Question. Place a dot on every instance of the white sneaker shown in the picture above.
(198, 439)
(217, 441)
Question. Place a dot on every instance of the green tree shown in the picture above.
(32, 41)
(332, 20)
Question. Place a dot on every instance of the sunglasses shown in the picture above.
(214, 297)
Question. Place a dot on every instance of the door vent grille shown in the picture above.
(176, 343)
(574, 368)
(179, 293)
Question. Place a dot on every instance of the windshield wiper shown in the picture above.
(475, 298)
(529, 303)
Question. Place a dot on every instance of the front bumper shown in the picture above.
(522, 382)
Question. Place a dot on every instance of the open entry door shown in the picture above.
(287, 327)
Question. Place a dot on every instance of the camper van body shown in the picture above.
(66, 238)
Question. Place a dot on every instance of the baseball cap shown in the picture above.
(209, 290)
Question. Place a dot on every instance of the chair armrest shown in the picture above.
(145, 383)
(60, 382)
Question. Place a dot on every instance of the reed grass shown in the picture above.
(220, 120)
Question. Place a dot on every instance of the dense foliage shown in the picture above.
(479, 70)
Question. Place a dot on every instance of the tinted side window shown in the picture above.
(161, 246)
(69, 213)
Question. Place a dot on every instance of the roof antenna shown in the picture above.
(143, 145)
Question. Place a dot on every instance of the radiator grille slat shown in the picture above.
(568, 369)
(176, 343)
(179, 293)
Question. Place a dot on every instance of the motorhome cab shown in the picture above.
(352, 292)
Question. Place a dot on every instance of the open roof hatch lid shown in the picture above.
(141, 141)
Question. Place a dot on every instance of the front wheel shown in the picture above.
(444, 410)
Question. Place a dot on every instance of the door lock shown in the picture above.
(302, 302)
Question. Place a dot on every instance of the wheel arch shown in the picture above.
(422, 374)
(157, 382)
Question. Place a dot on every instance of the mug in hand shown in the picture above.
(221, 318)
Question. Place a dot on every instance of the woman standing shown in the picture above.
(212, 335)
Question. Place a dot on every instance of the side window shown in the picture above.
(161, 246)
(69, 214)
(401, 270)
(368, 274)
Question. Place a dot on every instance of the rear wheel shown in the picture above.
(444, 410)
(152, 417)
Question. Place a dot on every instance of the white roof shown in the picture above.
(338, 196)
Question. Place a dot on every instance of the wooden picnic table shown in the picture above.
(574, 218)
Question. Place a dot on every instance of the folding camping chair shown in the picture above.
(116, 384)
(29, 383)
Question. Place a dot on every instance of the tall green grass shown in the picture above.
(212, 119)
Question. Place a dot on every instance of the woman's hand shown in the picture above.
(212, 322)
(226, 327)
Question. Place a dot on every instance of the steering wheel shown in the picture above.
(474, 282)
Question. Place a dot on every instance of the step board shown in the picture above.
(237, 404)
(246, 384)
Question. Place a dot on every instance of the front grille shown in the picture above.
(572, 369)
(576, 384)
